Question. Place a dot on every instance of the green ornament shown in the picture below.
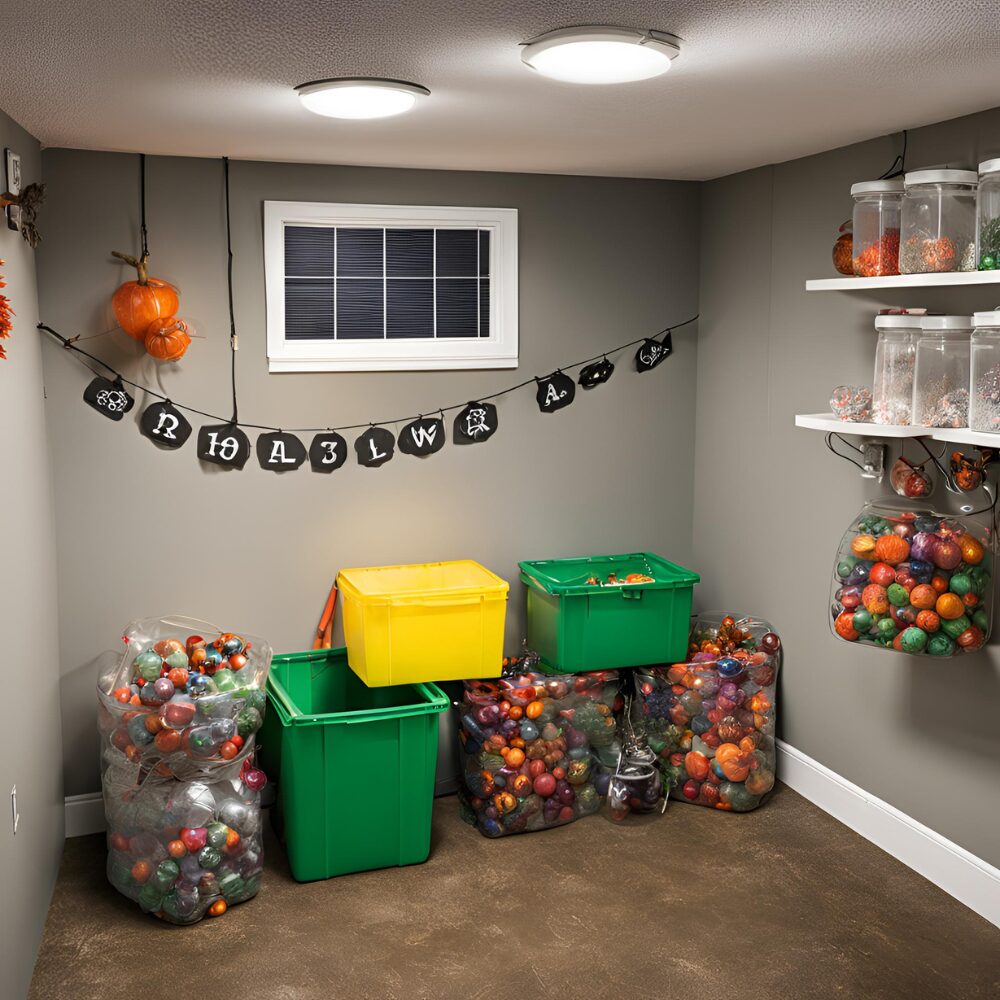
(148, 665)
(940, 645)
(255, 698)
(216, 834)
(209, 857)
(898, 597)
(224, 680)
(981, 619)
(248, 722)
(887, 629)
(987, 262)
(231, 886)
(960, 584)
(178, 659)
(845, 566)
(150, 899)
(954, 628)
(862, 620)
(913, 640)
(166, 874)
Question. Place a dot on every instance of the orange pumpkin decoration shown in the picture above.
(137, 303)
(167, 338)
(923, 597)
(891, 549)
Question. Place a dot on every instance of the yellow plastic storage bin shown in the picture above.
(429, 622)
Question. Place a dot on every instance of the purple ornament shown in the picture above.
(922, 547)
(163, 688)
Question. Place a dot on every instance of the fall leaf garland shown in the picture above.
(6, 314)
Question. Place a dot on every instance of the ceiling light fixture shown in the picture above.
(359, 97)
(600, 54)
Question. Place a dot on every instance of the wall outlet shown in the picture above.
(15, 816)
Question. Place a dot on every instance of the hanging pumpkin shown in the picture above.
(167, 338)
(137, 303)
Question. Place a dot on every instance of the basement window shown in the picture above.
(389, 288)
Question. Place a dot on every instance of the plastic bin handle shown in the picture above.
(631, 594)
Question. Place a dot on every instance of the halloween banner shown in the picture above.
(224, 442)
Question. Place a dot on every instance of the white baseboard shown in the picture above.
(84, 814)
(972, 881)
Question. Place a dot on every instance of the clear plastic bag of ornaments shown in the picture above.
(710, 721)
(537, 750)
(182, 693)
(914, 580)
(183, 850)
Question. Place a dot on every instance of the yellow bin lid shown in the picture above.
(461, 578)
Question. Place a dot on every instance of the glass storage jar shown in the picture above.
(988, 216)
(895, 357)
(984, 404)
(938, 221)
(941, 376)
(876, 227)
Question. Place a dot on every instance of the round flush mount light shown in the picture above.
(600, 54)
(360, 97)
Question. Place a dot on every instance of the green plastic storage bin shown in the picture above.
(354, 765)
(575, 626)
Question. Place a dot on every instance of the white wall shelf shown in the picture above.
(827, 422)
(949, 278)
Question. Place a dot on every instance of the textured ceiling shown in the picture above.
(756, 82)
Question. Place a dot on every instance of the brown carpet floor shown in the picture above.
(781, 903)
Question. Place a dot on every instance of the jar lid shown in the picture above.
(893, 186)
(989, 166)
(945, 323)
(987, 318)
(897, 322)
(915, 177)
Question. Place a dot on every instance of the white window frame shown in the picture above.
(499, 350)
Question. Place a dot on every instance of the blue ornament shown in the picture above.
(490, 827)
(471, 746)
(138, 732)
(700, 724)
(921, 571)
(212, 657)
(529, 731)
(601, 782)
(233, 645)
(199, 684)
(729, 667)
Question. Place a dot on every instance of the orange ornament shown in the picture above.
(891, 549)
(950, 606)
(515, 712)
(218, 908)
(875, 598)
(939, 583)
(972, 550)
(863, 545)
(137, 303)
(929, 621)
(167, 338)
(176, 849)
(844, 626)
(515, 758)
(534, 709)
(141, 871)
(923, 596)
(122, 694)
(167, 741)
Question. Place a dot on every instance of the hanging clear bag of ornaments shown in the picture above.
(915, 580)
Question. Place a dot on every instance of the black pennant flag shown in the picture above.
(374, 447)
(223, 444)
(164, 424)
(108, 398)
(476, 422)
(327, 452)
(652, 352)
(280, 452)
(596, 373)
(422, 437)
(554, 392)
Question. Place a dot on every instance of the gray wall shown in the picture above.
(144, 532)
(30, 737)
(771, 504)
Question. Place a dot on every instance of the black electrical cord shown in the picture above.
(233, 342)
(70, 345)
